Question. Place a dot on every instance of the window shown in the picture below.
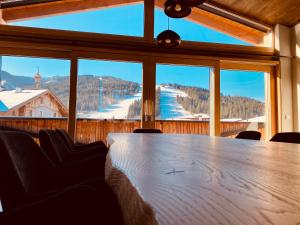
(119, 20)
(242, 102)
(182, 94)
(109, 90)
(189, 30)
(39, 86)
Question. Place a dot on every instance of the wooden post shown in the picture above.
(215, 97)
(271, 105)
(296, 75)
(149, 89)
(72, 97)
(149, 20)
(2, 21)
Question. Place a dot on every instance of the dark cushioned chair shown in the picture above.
(56, 150)
(93, 148)
(251, 135)
(147, 130)
(34, 191)
(288, 137)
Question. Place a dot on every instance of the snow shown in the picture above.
(260, 119)
(231, 120)
(14, 98)
(173, 91)
(119, 110)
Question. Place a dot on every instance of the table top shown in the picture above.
(192, 179)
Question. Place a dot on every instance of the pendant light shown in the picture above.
(175, 9)
(168, 38)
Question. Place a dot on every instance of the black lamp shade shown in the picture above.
(168, 38)
(191, 3)
(174, 9)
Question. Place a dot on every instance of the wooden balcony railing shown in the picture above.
(90, 130)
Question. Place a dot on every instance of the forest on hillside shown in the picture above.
(88, 91)
(135, 108)
(197, 102)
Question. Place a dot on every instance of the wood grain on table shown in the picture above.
(199, 180)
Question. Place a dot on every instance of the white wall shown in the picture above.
(283, 46)
(295, 32)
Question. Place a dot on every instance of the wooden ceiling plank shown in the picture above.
(271, 12)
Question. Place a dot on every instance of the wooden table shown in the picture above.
(200, 180)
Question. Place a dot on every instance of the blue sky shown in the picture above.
(128, 20)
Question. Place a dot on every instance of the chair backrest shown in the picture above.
(6, 128)
(23, 168)
(47, 145)
(53, 146)
(288, 137)
(251, 135)
(66, 138)
(147, 130)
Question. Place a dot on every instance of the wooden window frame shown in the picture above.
(72, 46)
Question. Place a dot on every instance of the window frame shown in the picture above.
(68, 45)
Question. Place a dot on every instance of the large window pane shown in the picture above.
(242, 102)
(182, 95)
(119, 20)
(109, 90)
(34, 87)
(191, 31)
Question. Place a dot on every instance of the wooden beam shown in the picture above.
(47, 39)
(73, 97)
(17, 3)
(2, 21)
(227, 65)
(235, 16)
(59, 8)
(271, 105)
(149, 20)
(215, 98)
(149, 91)
(200, 16)
(227, 26)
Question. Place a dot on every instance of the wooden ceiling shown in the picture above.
(272, 12)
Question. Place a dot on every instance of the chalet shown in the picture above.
(31, 103)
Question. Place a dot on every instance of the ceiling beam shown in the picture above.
(15, 3)
(199, 16)
(219, 10)
(60, 8)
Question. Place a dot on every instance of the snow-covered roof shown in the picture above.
(259, 119)
(231, 120)
(13, 98)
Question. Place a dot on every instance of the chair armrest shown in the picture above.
(95, 146)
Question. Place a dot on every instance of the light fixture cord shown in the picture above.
(168, 23)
